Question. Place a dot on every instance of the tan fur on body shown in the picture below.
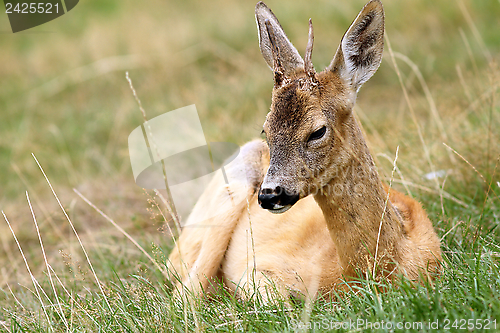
(335, 216)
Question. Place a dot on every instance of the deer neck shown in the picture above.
(355, 207)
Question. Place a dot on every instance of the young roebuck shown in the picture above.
(333, 218)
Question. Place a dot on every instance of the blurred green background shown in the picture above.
(64, 97)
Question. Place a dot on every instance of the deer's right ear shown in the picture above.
(275, 46)
(360, 52)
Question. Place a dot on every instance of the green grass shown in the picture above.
(57, 102)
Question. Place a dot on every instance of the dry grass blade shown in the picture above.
(33, 280)
(151, 144)
(76, 234)
(170, 211)
(465, 160)
(475, 31)
(4, 325)
(74, 301)
(47, 263)
(15, 298)
(427, 92)
(401, 176)
(446, 234)
(385, 208)
(410, 106)
(126, 234)
(38, 201)
(426, 189)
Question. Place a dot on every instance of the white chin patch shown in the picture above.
(280, 209)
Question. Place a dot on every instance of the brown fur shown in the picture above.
(346, 220)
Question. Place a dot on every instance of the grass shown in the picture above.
(64, 97)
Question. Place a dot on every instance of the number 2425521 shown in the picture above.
(471, 324)
(32, 8)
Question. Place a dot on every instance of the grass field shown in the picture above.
(64, 97)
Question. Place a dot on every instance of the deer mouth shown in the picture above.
(279, 209)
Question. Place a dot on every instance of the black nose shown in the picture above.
(276, 198)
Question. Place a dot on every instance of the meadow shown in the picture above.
(82, 246)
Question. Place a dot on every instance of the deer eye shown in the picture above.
(317, 134)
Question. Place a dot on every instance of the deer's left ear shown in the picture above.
(360, 52)
(276, 48)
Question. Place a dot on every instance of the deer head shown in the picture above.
(310, 130)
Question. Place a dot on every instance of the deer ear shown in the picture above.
(272, 38)
(360, 52)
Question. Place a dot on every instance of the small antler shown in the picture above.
(308, 66)
(278, 67)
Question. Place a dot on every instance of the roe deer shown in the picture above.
(333, 218)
